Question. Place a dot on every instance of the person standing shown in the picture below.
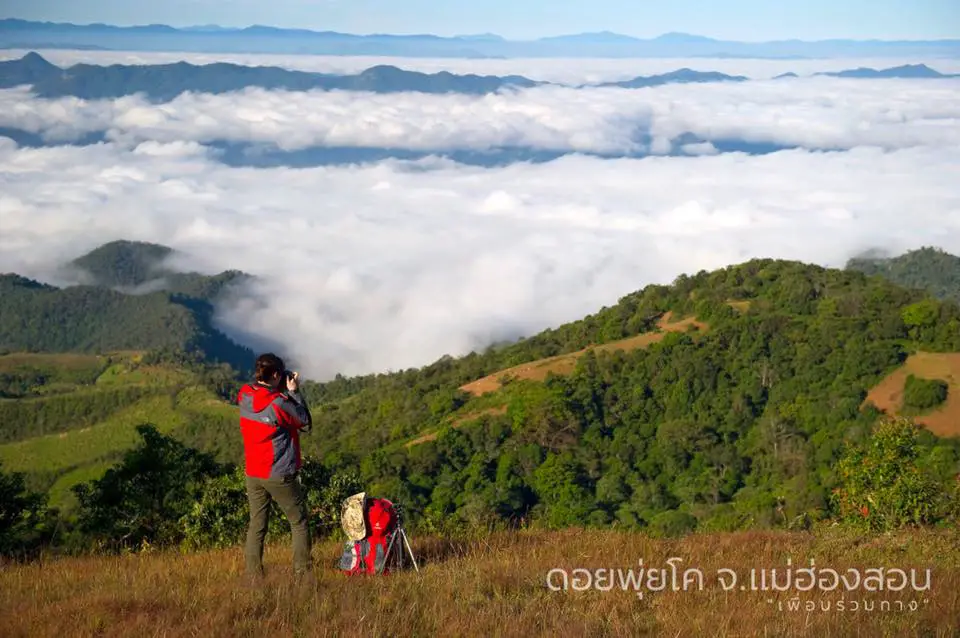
(272, 415)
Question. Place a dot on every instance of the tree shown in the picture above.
(672, 523)
(25, 522)
(882, 485)
(143, 499)
(923, 394)
(921, 316)
(563, 491)
(218, 517)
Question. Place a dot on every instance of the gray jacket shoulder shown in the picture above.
(295, 406)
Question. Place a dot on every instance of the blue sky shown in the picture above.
(749, 20)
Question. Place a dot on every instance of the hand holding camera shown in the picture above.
(292, 380)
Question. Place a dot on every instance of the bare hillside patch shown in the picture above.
(888, 394)
(567, 363)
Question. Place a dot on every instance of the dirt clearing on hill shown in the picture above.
(943, 421)
(567, 363)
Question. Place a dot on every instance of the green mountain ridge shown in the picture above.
(130, 265)
(104, 315)
(930, 269)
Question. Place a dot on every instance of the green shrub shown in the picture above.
(219, 516)
(25, 522)
(882, 485)
(141, 501)
(672, 524)
(923, 394)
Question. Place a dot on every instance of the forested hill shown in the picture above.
(124, 263)
(729, 399)
(741, 421)
(170, 310)
(132, 266)
(798, 315)
(928, 269)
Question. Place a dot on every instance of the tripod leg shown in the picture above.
(386, 559)
(407, 543)
(400, 560)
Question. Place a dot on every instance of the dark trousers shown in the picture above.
(290, 495)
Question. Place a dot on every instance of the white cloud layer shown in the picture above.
(393, 265)
(562, 70)
(812, 113)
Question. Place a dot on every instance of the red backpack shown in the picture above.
(368, 556)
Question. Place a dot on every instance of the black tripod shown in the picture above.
(400, 533)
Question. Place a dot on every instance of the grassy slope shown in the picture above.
(69, 458)
(494, 586)
(47, 362)
(56, 462)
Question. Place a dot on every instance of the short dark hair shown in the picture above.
(268, 366)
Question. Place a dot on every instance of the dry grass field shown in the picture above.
(495, 587)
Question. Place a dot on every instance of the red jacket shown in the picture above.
(270, 422)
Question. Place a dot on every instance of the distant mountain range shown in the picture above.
(163, 82)
(264, 39)
(166, 81)
(906, 71)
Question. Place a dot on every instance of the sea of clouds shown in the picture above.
(823, 113)
(393, 264)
